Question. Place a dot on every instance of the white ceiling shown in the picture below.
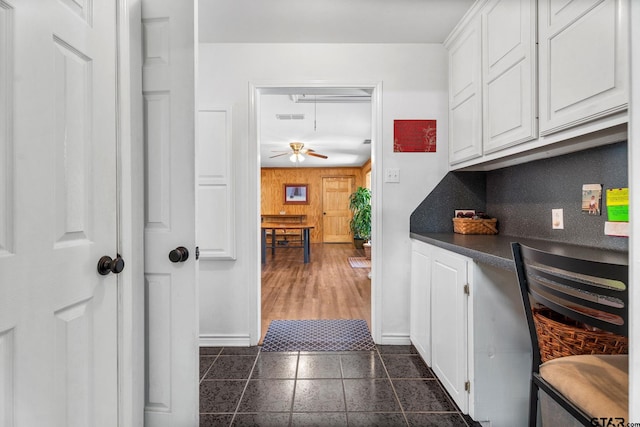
(328, 21)
(337, 130)
(340, 128)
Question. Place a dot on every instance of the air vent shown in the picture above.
(290, 116)
(366, 141)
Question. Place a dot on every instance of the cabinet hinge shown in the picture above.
(466, 289)
(467, 387)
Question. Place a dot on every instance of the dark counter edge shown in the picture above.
(495, 250)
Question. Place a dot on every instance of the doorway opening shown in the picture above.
(328, 287)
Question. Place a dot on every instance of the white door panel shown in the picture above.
(58, 316)
(171, 356)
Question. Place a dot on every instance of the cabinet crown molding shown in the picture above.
(471, 14)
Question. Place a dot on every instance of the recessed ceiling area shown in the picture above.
(335, 123)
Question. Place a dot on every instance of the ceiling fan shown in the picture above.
(297, 151)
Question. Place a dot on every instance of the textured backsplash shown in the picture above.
(522, 196)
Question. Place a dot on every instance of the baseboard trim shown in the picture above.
(225, 340)
(395, 339)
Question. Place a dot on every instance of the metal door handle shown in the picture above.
(107, 265)
(179, 254)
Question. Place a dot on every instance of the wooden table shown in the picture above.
(273, 226)
(297, 218)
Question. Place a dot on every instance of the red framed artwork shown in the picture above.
(414, 136)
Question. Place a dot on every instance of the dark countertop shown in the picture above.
(495, 250)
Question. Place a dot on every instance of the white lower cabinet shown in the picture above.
(468, 323)
(449, 318)
(420, 321)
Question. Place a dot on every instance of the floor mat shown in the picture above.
(318, 335)
(359, 262)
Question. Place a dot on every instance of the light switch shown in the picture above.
(392, 175)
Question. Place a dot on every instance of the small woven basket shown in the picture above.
(559, 337)
(475, 226)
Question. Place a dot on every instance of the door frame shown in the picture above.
(255, 89)
(130, 212)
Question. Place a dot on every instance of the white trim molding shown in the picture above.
(255, 89)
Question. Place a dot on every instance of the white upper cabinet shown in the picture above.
(583, 61)
(509, 71)
(465, 100)
(533, 79)
(492, 79)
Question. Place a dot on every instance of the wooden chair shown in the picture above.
(593, 293)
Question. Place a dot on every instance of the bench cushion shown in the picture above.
(598, 384)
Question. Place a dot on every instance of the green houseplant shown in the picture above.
(360, 224)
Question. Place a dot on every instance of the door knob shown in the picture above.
(107, 265)
(179, 254)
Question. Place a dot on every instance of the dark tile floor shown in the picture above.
(391, 386)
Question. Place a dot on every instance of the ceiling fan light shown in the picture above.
(296, 157)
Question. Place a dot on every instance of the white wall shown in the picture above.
(414, 86)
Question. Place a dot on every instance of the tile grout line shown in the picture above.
(344, 391)
(210, 366)
(295, 387)
(395, 393)
(246, 385)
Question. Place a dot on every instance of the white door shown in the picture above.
(171, 311)
(58, 316)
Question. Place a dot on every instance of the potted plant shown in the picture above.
(360, 224)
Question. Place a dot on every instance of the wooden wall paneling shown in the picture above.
(366, 169)
(272, 187)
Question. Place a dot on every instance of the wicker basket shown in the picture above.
(559, 336)
(475, 226)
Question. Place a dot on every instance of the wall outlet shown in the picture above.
(557, 219)
(392, 175)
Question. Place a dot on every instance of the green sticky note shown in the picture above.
(618, 204)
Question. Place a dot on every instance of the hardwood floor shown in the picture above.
(325, 288)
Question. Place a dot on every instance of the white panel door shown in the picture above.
(449, 351)
(171, 309)
(465, 95)
(509, 73)
(583, 61)
(58, 316)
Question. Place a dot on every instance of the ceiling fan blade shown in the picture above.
(279, 155)
(311, 153)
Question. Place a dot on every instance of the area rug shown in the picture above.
(318, 335)
(359, 262)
